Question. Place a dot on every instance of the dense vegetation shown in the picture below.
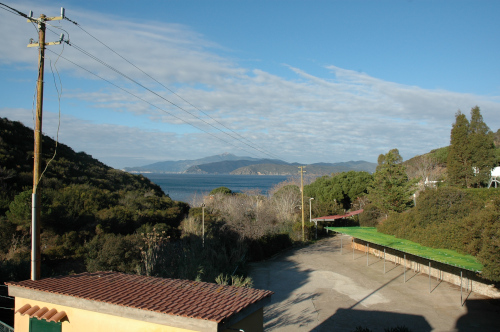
(453, 210)
(90, 212)
(467, 221)
(450, 214)
(338, 192)
(98, 218)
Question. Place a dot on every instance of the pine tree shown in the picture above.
(459, 155)
(471, 155)
(391, 189)
(482, 148)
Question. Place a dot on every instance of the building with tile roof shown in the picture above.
(112, 301)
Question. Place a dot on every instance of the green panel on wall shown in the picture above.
(41, 325)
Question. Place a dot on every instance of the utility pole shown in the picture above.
(35, 198)
(302, 194)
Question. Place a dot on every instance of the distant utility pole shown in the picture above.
(302, 193)
(35, 199)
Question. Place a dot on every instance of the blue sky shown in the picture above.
(302, 81)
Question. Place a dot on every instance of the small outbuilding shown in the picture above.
(112, 301)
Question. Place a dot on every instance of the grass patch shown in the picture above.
(446, 256)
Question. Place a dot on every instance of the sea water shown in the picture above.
(183, 187)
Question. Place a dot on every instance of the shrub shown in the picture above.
(221, 190)
(370, 216)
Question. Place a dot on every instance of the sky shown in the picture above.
(301, 81)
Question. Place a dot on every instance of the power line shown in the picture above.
(13, 10)
(242, 140)
(160, 96)
(145, 73)
(144, 100)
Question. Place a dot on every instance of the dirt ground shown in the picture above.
(319, 289)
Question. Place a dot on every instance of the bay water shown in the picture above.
(183, 187)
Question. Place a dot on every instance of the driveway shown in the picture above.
(319, 289)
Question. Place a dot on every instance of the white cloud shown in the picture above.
(342, 115)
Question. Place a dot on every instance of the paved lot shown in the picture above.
(318, 289)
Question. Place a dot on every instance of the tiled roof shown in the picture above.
(185, 298)
(44, 313)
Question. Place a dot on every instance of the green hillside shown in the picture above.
(88, 208)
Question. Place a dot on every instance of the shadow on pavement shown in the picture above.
(349, 319)
(477, 311)
(279, 316)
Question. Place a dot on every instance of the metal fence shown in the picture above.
(5, 328)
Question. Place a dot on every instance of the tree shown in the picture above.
(221, 190)
(341, 188)
(496, 139)
(459, 167)
(482, 148)
(391, 190)
(472, 151)
(285, 200)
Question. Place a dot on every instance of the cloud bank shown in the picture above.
(339, 116)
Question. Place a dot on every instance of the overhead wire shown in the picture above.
(144, 100)
(59, 94)
(19, 13)
(13, 10)
(164, 86)
(160, 96)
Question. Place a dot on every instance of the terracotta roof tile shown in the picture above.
(39, 313)
(44, 313)
(23, 309)
(49, 314)
(169, 296)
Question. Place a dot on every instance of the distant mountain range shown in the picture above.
(230, 164)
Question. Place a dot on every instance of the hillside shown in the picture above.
(180, 166)
(231, 164)
(89, 211)
(67, 167)
(314, 169)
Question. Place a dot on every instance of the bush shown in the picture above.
(221, 190)
(110, 252)
(467, 221)
(370, 216)
(309, 229)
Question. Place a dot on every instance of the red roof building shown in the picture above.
(111, 301)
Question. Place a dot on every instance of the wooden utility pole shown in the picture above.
(37, 165)
(302, 194)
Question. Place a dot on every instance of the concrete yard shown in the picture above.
(318, 289)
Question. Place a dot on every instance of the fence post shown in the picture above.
(405, 267)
